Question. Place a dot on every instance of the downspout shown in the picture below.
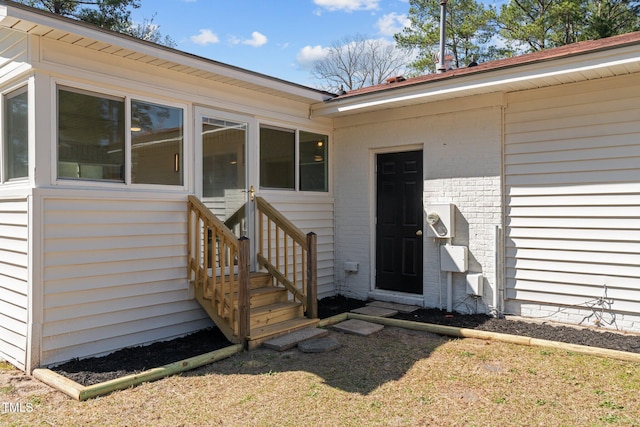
(441, 68)
(497, 277)
(449, 282)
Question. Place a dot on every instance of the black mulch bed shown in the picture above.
(134, 360)
(137, 359)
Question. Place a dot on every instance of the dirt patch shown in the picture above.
(17, 387)
(137, 359)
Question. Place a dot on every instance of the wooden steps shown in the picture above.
(271, 313)
(264, 333)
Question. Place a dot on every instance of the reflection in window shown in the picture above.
(157, 135)
(277, 158)
(223, 170)
(90, 136)
(16, 141)
(313, 161)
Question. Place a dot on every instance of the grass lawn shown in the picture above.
(393, 378)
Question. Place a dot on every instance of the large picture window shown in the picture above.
(91, 139)
(16, 133)
(95, 144)
(293, 160)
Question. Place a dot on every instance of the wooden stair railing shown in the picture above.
(213, 254)
(252, 307)
(288, 255)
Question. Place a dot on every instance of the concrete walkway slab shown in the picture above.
(403, 308)
(358, 327)
(371, 310)
(290, 340)
(318, 345)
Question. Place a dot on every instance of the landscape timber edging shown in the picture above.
(81, 393)
(485, 335)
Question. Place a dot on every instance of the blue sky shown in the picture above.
(279, 38)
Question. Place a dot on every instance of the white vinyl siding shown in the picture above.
(572, 184)
(115, 274)
(14, 272)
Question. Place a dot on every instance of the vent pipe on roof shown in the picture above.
(441, 67)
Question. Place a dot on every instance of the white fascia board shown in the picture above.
(483, 82)
(161, 52)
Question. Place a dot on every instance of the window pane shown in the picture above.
(277, 158)
(16, 135)
(90, 136)
(313, 161)
(223, 163)
(157, 136)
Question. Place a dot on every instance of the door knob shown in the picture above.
(419, 233)
(252, 193)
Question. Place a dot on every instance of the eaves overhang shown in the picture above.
(503, 77)
(44, 24)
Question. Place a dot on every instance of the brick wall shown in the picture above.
(462, 165)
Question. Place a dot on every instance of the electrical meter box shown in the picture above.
(440, 220)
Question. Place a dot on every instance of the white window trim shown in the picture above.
(23, 85)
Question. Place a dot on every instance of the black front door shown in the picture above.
(399, 218)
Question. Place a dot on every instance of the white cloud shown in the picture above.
(205, 37)
(310, 54)
(257, 39)
(392, 23)
(348, 5)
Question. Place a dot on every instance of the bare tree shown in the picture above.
(357, 61)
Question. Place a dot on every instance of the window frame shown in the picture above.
(18, 89)
(297, 184)
(128, 98)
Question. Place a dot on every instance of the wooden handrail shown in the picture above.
(288, 254)
(283, 222)
(213, 254)
(235, 219)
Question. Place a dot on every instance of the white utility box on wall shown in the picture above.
(351, 266)
(475, 284)
(453, 258)
(440, 220)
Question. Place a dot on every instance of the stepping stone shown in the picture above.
(358, 327)
(318, 345)
(371, 310)
(403, 308)
(290, 340)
